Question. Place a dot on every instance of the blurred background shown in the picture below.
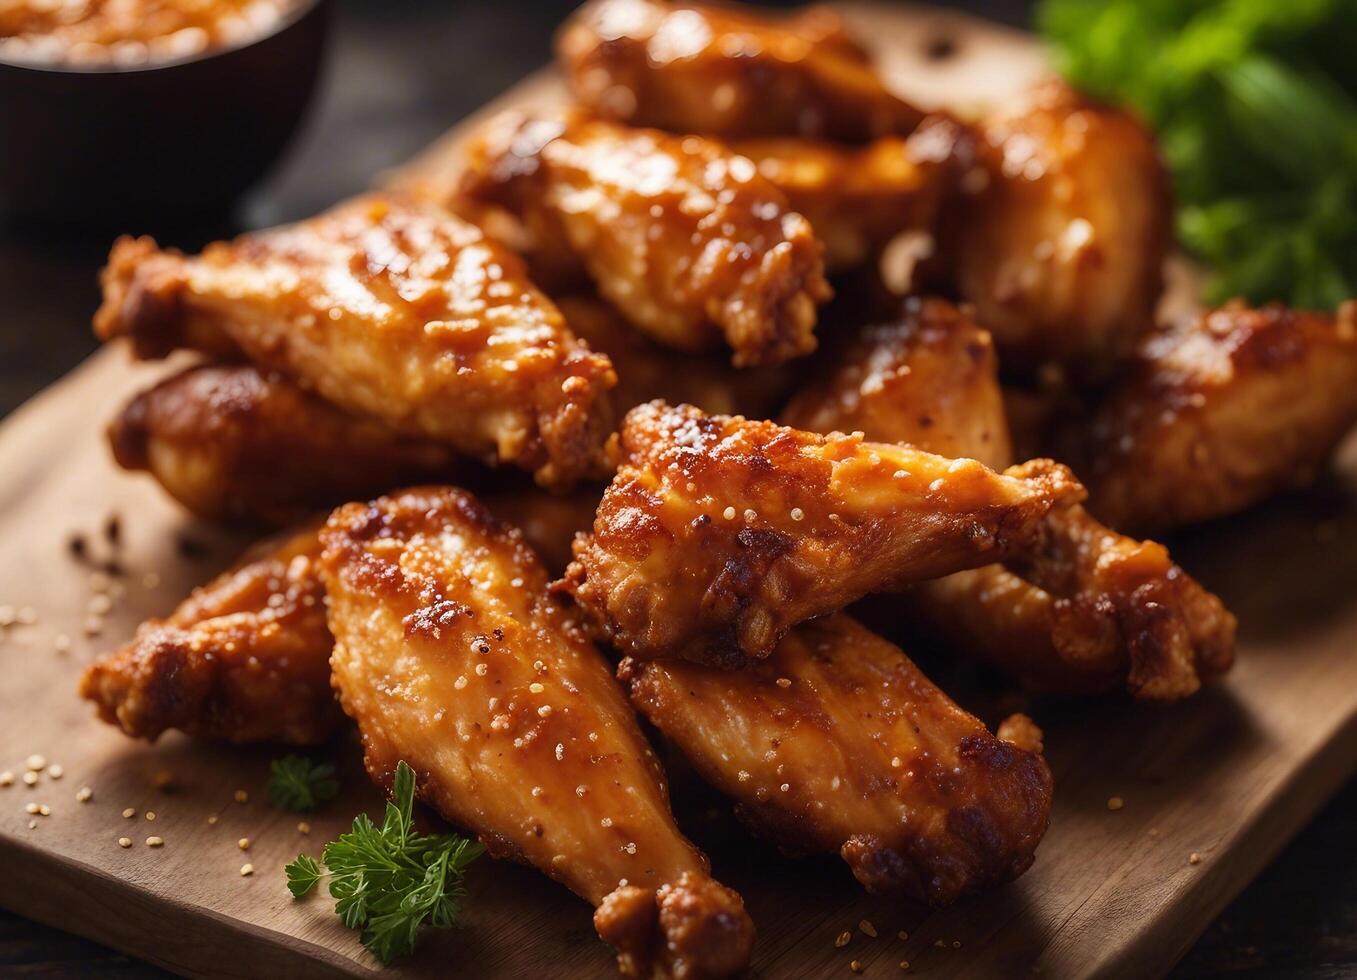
(399, 73)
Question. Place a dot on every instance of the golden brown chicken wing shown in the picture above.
(927, 378)
(232, 443)
(726, 70)
(451, 655)
(1059, 234)
(1082, 608)
(858, 198)
(387, 309)
(719, 534)
(838, 743)
(1220, 413)
(245, 658)
(681, 235)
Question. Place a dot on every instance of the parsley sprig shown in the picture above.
(296, 783)
(1255, 105)
(389, 881)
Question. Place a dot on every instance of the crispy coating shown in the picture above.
(838, 743)
(726, 71)
(927, 378)
(680, 234)
(1221, 413)
(235, 444)
(1059, 234)
(386, 309)
(858, 198)
(451, 655)
(245, 658)
(646, 370)
(719, 534)
(1083, 608)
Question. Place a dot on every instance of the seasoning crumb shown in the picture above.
(243, 843)
(856, 966)
(31, 807)
(30, 778)
(35, 763)
(1115, 803)
(784, 682)
(150, 814)
(55, 771)
(242, 796)
(32, 825)
(44, 810)
(303, 827)
(867, 928)
(211, 819)
(1194, 858)
(155, 842)
(84, 794)
(904, 964)
(124, 842)
(6, 778)
(246, 870)
(956, 943)
(842, 939)
(904, 936)
(129, 813)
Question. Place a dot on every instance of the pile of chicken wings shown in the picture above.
(631, 416)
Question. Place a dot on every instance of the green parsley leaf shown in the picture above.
(295, 783)
(389, 881)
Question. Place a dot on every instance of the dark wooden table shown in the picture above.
(401, 72)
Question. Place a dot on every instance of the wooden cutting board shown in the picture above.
(1227, 776)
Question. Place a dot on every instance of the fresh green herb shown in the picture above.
(1255, 104)
(389, 881)
(299, 784)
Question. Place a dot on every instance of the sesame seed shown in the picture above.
(895, 762)
(35, 763)
(797, 514)
(55, 771)
(129, 813)
(242, 796)
(956, 943)
(785, 786)
(246, 870)
(31, 807)
(630, 848)
(543, 711)
(536, 688)
(44, 810)
(303, 827)
(843, 939)
(904, 964)
(537, 791)
(580, 791)
(155, 842)
(750, 513)
(784, 682)
(243, 843)
(211, 819)
(560, 751)
(856, 966)
(124, 842)
(1194, 858)
(1115, 803)
(32, 825)
(900, 474)
(30, 778)
(868, 929)
(100, 605)
(84, 794)
(150, 814)
(482, 670)
(728, 513)
(61, 643)
(6, 778)
(904, 936)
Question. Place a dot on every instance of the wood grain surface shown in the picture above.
(1229, 775)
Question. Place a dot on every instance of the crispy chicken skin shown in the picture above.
(1220, 413)
(451, 655)
(838, 743)
(245, 658)
(647, 370)
(387, 309)
(237, 445)
(1082, 608)
(719, 534)
(858, 198)
(927, 378)
(1059, 234)
(726, 71)
(680, 234)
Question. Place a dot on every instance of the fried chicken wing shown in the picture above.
(858, 198)
(679, 233)
(646, 370)
(233, 443)
(719, 534)
(451, 655)
(1059, 234)
(927, 378)
(1082, 608)
(245, 658)
(1220, 413)
(727, 71)
(387, 309)
(838, 743)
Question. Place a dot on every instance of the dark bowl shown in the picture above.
(165, 143)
